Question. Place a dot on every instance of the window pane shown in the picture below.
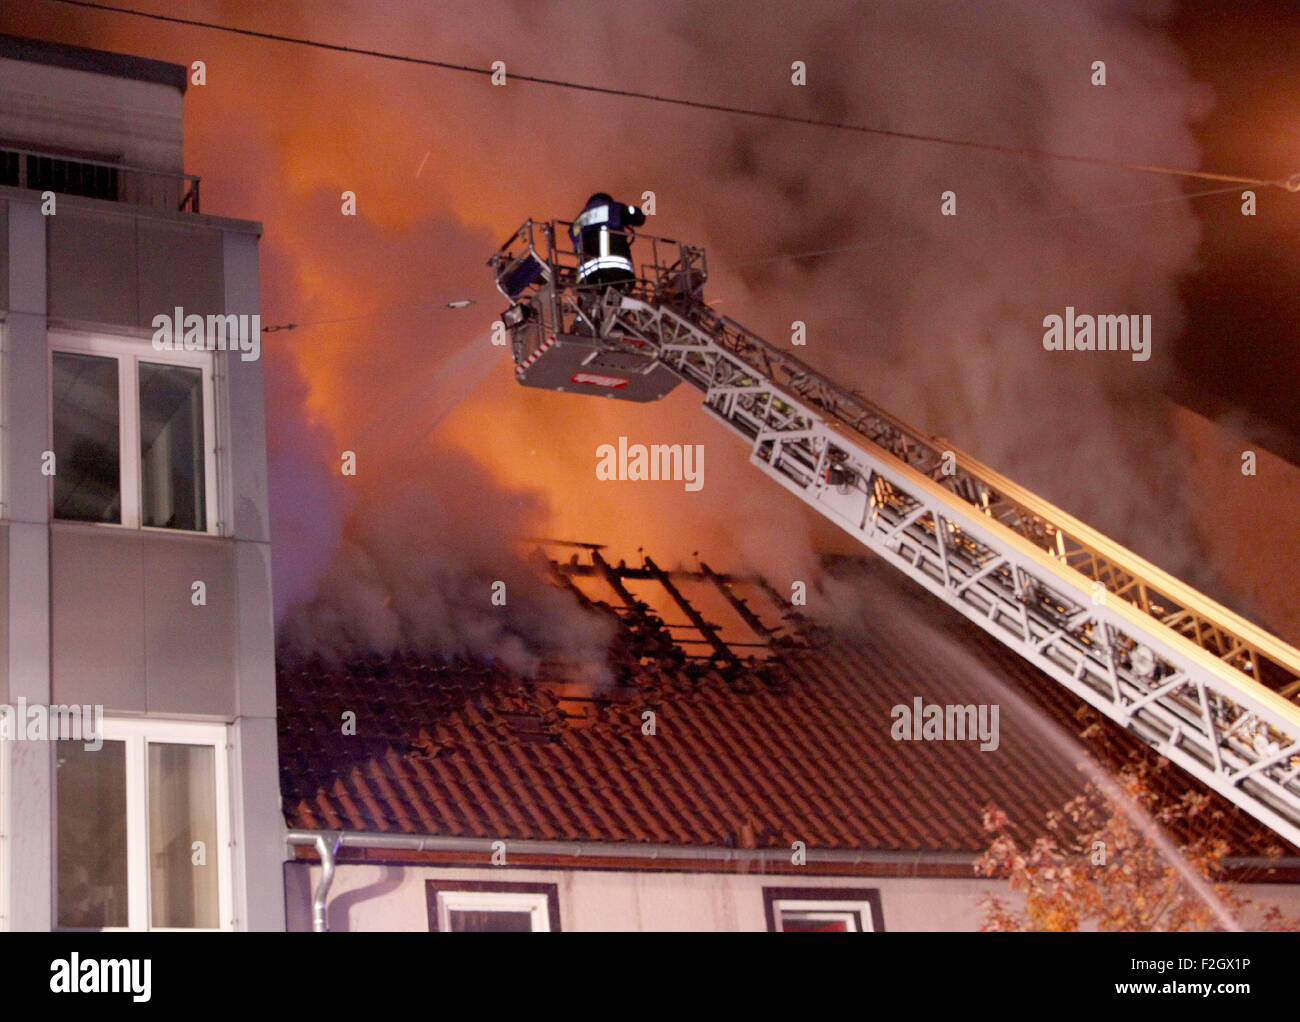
(72, 177)
(490, 922)
(183, 835)
(91, 800)
(820, 921)
(171, 447)
(87, 456)
(9, 169)
(797, 924)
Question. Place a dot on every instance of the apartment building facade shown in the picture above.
(134, 538)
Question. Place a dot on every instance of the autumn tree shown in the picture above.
(1098, 867)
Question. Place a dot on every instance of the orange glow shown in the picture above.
(279, 132)
(1266, 501)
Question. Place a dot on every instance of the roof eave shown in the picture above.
(81, 58)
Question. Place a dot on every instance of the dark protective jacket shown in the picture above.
(605, 252)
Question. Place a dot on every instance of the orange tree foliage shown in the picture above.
(1096, 867)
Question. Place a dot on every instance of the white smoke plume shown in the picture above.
(938, 319)
(419, 568)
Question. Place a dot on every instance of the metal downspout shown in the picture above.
(328, 851)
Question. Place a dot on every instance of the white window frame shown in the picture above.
(6, 824)
(137, 734)
(856, 913)
(129, 353)
(537, 905)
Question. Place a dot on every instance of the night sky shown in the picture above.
(1242, 345)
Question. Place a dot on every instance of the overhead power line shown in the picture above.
(1291, 184)
(1091, 211)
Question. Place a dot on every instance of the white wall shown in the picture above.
(378, 897)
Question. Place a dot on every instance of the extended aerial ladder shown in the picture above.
(1215, 694)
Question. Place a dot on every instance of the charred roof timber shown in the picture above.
(729, 645)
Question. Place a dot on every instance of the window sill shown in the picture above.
(152, 531)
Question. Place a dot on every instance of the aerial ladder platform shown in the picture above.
(1215, 694)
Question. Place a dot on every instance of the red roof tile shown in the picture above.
(793, 747)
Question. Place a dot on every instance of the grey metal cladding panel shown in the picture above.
(256, 787)
(246, 407)
(191, 649)
(97, 618)
(4, 255)
(245, 401)
(4, 615)
(92, 267)
(255, 630)
(181, 266)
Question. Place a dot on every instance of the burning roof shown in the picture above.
(734, 722)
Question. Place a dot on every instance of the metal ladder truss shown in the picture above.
(1207, 689)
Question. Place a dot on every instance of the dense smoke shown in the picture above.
(939, 319)
(421, 569)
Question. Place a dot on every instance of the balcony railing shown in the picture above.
(65, 175)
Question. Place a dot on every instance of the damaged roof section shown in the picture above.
(706, 614)
(733, 722)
